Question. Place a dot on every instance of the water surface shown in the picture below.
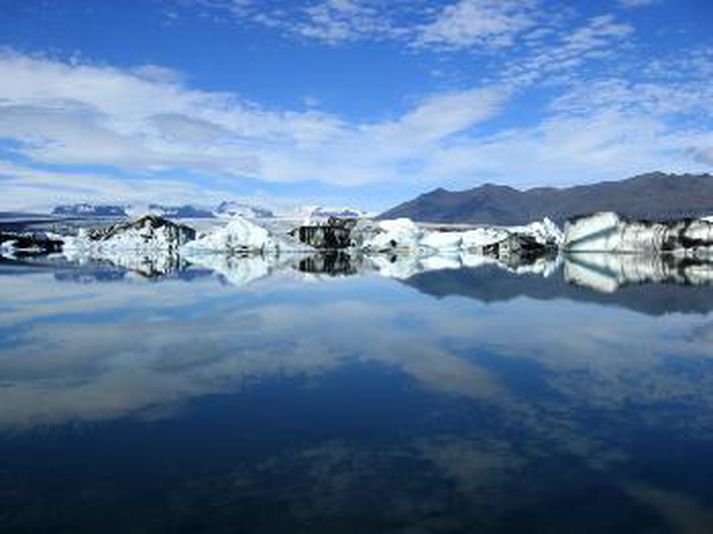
(452, 400)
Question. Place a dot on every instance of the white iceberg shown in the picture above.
(404, 234)
(395, 234)
(241, 236)
(544, 232)
(148, 245)
(144, 236)
(479, 238)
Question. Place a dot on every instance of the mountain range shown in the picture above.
(654, 196)
(90, 210)
(224, 209)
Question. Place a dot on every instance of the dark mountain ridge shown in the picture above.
(654, 196)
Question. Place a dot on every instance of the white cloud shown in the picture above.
(88, 115)
(439, 117)
(656, 100)
(25, 186)
(144, 121)
(458, 24)
(328, 21)
(564, 53)
(490, 23)
(341, 20)
(635, 3)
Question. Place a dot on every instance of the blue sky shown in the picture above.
(361, 102)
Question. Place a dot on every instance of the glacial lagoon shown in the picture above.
(339, 393)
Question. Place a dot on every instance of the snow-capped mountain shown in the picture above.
(339, 212)
(311, 214)
(230, 208)
(227, 209)
(90, 210)
(181, 212)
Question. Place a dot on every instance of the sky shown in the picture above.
(365, 103)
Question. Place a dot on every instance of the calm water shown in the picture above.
(462, 400)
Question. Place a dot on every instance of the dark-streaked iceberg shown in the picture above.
(609, 232)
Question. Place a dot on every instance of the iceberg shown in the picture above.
(145, 235)
(608, 232)
(331, 235)
(544, 232)
(241, 236)
(395, 234)
(480, 238)
(401, 235)
(148, 245)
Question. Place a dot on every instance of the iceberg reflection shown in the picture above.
(603, 272)
(609, 272)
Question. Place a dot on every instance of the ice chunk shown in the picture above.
(241, 236)
(145, 235)
(401, 235)
(544, 232)
(483, 237)
(395, 234)
(607, 232)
